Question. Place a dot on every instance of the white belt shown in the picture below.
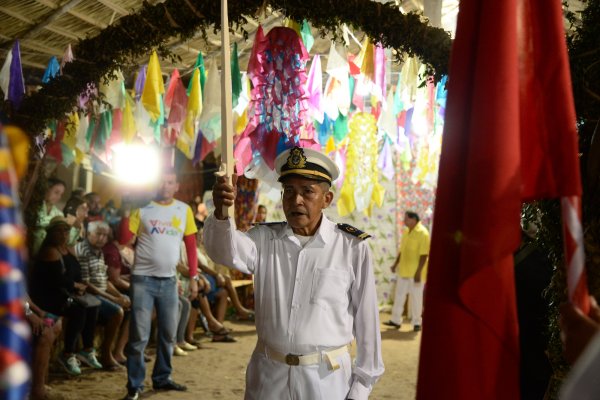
(305, 359)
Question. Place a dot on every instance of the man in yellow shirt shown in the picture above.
(410, 265)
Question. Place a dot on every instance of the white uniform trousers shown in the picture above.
(404, 287)
(268, 379)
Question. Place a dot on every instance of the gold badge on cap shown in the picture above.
(296, 159)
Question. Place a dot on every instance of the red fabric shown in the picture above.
(125, 235)
(509, 136)
(112, 257)
(192, 255)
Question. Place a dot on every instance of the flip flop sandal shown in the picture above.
(224, 339)
(221, 332)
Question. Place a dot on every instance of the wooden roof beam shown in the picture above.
(40, 47)
(76, 14)
(113, 6)
(45, 23)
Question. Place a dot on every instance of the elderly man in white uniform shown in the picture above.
(314, 289)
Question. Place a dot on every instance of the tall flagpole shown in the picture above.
(227, 161)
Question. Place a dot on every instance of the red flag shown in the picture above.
(510, 136)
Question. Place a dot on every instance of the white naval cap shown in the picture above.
(307, 163)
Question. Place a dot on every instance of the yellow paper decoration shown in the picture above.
(330, 146)
(153, 88)
(19, 148)
(289, 23)
(187, 138)
(361, 187)
(128, 128)
(366, 59)
(70, 137)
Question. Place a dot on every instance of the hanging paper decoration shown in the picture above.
(82, 143)
(154, 87)
(113, 91)
(199, 64)
(188, 137)
(277, 71)
(314, 90)
(177, 102)
(66, 58)
(387, 121)
(337, 92)
(5, 74)
(140, 82)
(143, 122)
(361, 187)
(210, 119)
(366, 61)
(52, 70)
(16, 85)
(128, 129)
(385, 162)
(69, 141)
(307, 36)
(14, 331)
(379, 87)
(236, 76)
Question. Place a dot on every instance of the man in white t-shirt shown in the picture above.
(159, 227)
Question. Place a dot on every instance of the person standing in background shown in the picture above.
(410, 266)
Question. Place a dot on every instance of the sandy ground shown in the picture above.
(217, 371)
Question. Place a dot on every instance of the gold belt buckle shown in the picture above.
(292, 359)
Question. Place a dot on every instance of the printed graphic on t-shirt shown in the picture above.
(171, 228)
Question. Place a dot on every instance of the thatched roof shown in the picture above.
(45, 28)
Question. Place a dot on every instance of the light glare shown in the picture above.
(136, 165)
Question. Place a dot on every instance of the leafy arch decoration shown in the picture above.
(133, 36)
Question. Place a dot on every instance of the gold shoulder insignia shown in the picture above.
(353, 231)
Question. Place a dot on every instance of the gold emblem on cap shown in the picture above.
(296, 159)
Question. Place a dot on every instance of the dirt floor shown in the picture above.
(217, 371)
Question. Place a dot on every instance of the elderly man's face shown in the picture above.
(98, 238)
(303, 200)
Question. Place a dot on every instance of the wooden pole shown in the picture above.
(227, 161)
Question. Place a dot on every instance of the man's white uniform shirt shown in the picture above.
(308, 298)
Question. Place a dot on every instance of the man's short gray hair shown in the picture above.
(95, 225)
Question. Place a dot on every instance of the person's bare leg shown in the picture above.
(119, 352)
(191, 326)
(221, 306)
(213, 324)
(235, 300)
(40, 362)
(110, 333)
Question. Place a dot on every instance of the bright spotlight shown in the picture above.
(136, 164)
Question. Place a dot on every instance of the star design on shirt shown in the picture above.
(176, 222)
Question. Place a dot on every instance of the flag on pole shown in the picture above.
(510, 136)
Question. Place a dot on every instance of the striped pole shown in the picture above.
(14, 331)
(574, 252)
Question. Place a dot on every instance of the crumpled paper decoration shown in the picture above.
(361, 189)
(277, 71)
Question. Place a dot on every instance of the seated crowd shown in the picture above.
(79, 279)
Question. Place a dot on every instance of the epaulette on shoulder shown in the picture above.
(353, 231)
